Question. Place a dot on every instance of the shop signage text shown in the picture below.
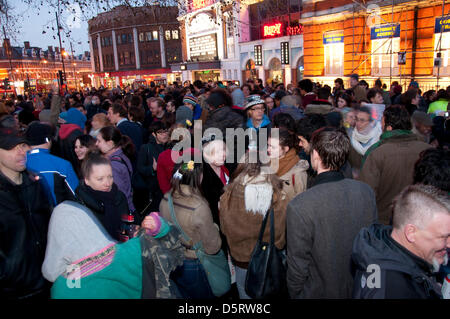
(385, 31)
(203, 48)
(333, 37)
(295, 30)
(199, 4)
(271, 30)
(442, 24)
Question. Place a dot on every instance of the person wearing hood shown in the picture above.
(323, 221)
(83, 261)
(399, 262)
(367, 132)
(253, 192)
(238, 98)
(422, 126)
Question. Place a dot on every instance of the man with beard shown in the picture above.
(398, 262)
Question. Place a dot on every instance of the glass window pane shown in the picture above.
(148, 36)
(155, 35)
(167, 33)
(175, 34)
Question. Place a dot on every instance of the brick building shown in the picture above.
(129, 44)
(342, 37)
(37, 69)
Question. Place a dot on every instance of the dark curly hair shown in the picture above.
(433, 168)
(397, 117)
(307, 125)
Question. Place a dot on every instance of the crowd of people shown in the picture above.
(97, 199)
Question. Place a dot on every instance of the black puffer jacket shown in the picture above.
(223, 118)
(402, 275)
(24, 216)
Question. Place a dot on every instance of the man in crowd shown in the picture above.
(117, 115)
(24, 216)
(321, 229)
(388, 165)
(306, 90)
(398, 262)
(359, 92)
(59, 179)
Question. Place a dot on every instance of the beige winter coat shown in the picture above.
(194, 216)
(295, 179)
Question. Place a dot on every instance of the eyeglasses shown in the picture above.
(257, 109)
(162, 132)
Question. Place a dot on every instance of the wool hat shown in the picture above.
(38, 133)
(189, 98)
(253, 100)
(216, 99)
(74, 116)
(238, 97)
(183, 114)
(10, 139)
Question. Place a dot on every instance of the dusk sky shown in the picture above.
(32, 25)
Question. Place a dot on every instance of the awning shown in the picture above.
(134, 72)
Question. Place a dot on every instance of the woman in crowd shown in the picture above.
(99, 121)
(83, 144)
(215, 174)
(193, 215)
(255, 109)
(253, 192)
(100, 194)
(286, 164)
(270, 103)
(83, 258)
(118, 149)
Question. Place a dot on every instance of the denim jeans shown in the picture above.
(191, 280)
(241, 273)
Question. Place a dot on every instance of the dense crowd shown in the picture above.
(98, 199)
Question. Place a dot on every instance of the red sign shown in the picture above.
(297, 30)
(272, 30)
(199, 4)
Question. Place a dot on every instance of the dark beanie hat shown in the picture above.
(38, 133)
(216, 99)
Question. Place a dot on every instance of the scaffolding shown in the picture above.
(358, 6)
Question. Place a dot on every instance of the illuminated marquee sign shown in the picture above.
(203, 48)
(333, 37)
(284, 52)
(199, 4)
(294, 30)
(442, 24)
(385, 31)
(272, 30)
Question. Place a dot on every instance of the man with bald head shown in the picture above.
(399, 262)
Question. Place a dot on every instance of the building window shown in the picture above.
(148, 36)
(155, 35)
(445, 53)
(167, 34)
(141, 37)
(334, 59)
(175, 35)
(385, 57)
(118, 40)
(333, 44)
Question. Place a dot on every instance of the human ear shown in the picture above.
(410, 232)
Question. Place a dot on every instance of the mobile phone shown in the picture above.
(446, 114)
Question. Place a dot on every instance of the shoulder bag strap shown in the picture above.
(272, 227)
(263, 226)
(174, 218)
(120, 160)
